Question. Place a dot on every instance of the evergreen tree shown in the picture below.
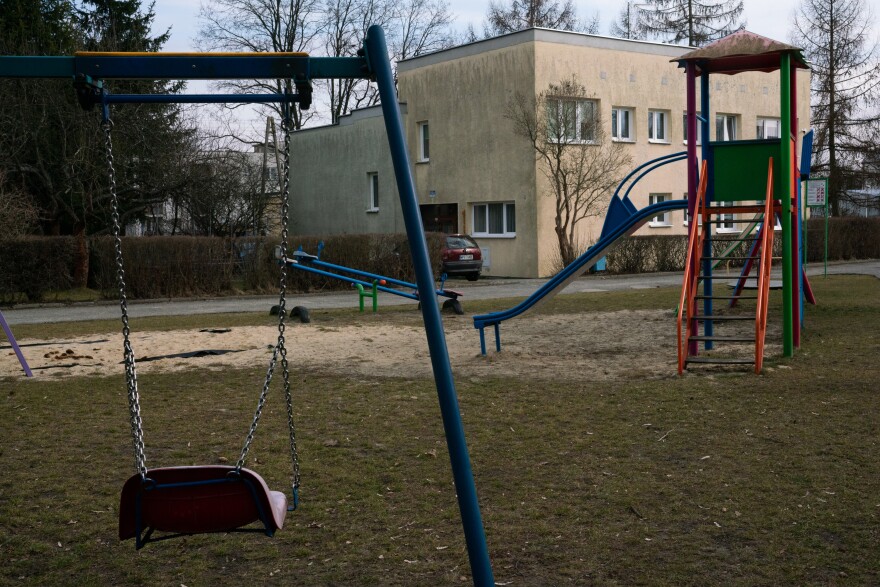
(695, 22)
(835, 36)
(628, 24)
(523, 14)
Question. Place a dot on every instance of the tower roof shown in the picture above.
(742, 51)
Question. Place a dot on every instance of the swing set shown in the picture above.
(175, 501)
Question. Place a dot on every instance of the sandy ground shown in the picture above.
(625, 344)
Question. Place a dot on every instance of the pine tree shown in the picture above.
(835, 36)
(695, 22)
(628, 24)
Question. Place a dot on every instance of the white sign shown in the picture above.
(816, 192)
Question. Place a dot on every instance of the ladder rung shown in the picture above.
(720, 361)
(728, 277)
(702, 297)
(722, 338)
(704, 317)
(729, 258)
(731, 221)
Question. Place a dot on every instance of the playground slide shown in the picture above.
(558, 282)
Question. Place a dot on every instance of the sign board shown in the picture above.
(817, 191)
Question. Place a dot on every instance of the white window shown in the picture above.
(571, 121)
(373, 180)
(769, 128)
(424, 142)
(699, 217)
(725, 221)
(621, 124)
(725, 127)
(660, 219)
(494, 219)
(657, 126)
(684, 126)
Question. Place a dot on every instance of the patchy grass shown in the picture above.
(729, 479)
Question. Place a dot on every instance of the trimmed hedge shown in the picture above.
(33, 266)
(849, 237)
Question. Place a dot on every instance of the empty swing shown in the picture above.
(178, 501)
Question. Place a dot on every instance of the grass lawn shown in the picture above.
(724, 479)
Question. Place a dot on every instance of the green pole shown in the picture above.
(826, 228)
(785, 196)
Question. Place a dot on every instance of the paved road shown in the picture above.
(487, 288)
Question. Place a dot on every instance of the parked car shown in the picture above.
(462, 256)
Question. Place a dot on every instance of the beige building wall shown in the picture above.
(462, 94)
(330, 184)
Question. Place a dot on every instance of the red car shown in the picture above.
(461, 255)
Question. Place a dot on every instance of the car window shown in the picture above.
(460, 242)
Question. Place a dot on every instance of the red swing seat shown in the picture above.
(196, 500)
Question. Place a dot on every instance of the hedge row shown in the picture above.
(160, 267)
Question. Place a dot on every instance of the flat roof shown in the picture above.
(541, 35)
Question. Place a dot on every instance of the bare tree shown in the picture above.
(523, 14)
(18, 212)
(581, 166)
(261, 26)
(696, 22)
(628, 24)
(835, 35)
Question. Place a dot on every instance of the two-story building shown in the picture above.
(475, 175)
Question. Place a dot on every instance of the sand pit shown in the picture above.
(595, 346)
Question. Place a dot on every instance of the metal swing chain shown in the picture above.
(134, 407)
(280, 348)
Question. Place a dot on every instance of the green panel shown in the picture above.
(740, 170)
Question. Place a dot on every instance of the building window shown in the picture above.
(571, 121)
(686, 219)
(657, 126)
(725, 221)
(769, 128)
(373, 179)
(621, 124)
(725, 127)
(660, 219)
(424, 142)
(495, 219)
(684, 126)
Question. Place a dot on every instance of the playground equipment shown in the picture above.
(366, 289)
(622, 219)
(88, 71)
(15, 347)
(734, 174)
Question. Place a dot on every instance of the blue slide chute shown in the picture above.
(623, 225)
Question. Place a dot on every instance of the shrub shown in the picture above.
(163, 266)
(849, 237)
(34, 265)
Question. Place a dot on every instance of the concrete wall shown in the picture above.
(462, 95)
(330, 189)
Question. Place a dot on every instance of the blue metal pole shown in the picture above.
(14, 343)
(201, 98)
(478, 552)
(708, 325)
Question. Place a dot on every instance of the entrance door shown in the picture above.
(440, 218)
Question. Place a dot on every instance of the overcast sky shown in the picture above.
(770, 18)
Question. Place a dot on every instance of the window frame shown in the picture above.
(684, 139)
(760, 127)
(721, 117)
(577, 138)
(663, 220)
(722, 218)
(507, 220)
(616, 124)
(653, 117)
(424, 142)
(373, 194)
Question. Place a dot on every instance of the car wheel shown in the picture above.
(473, 276)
